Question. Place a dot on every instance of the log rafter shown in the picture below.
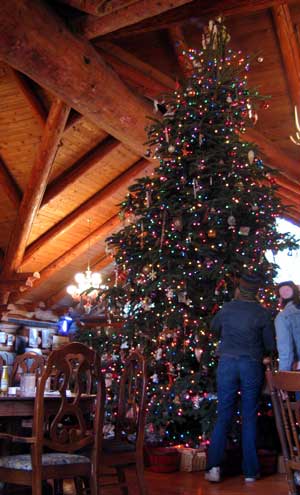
(36, 186)
(202, 9)
(179, 45)
(9, 185)
(85, 82)
(78, 169)
(101, 232)
(88, 104)
(149, 81)
(98, 7)
(92, 27)
(140, 167)
(289, 48)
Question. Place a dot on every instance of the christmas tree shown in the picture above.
(207, 214)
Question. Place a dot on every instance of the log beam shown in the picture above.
(290, 196)
(146, 85)
(142, 167)
(38, 43)
(203, 9)
(91, 26)
(275, 157)
(289, 49)
(179, 46)
(287, 184)
(36, 186)
(81, 167)
(98, 7)
(32, 99)
(9, 185)
(101, 232)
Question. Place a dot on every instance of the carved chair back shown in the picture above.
(283, 385)
(69, 427)
(132, 399)
(29, 362)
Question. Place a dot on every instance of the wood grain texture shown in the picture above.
(36, 187)
(91, 27)
(70, 68)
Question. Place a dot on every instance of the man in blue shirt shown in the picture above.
(287, 326)
(247, 335)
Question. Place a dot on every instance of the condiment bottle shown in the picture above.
(4, 380)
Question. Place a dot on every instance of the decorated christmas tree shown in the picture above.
(207, 214)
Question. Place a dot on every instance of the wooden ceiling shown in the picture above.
(77, 82)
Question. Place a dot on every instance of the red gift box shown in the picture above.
(163, 459)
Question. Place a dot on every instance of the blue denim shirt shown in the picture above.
(246, 329)
(287, 326)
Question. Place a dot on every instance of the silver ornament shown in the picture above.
(231, 220)
(251, 156)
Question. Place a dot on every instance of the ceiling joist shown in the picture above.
(142, 167)
(201, 9)
(100, 233)
(81, 167)
(36, 186)
(289, 49)
(92, 27)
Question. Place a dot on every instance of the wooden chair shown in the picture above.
(126, 448)
(29, 362)
(76, 423)
(283, 385)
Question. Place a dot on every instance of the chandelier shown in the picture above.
(297, 124)
(89, 284)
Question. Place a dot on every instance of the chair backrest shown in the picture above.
(132, 399)
(283, 385)
(76, 418)
(29, 362)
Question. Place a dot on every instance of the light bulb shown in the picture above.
(96, 279)
(80, 278)
(72, 290)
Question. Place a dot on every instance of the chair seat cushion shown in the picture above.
(23, 462)
(114, 446)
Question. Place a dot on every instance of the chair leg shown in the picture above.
(291, 481)
(36, 488)
(122, 480)
(141, 478)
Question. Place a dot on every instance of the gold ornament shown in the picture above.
(212, 233)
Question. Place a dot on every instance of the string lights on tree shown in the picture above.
(208, 213)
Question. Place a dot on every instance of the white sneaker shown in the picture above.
(213, 475)
(250, 479)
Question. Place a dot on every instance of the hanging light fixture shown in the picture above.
(297, 124)
(88, 285)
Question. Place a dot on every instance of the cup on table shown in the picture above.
(27, 384)
(12, 391)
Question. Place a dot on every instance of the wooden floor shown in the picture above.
(194, 484)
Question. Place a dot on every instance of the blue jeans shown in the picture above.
(234, 374)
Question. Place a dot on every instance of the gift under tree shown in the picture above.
(207, 214)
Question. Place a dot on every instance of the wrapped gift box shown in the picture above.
(192, 460)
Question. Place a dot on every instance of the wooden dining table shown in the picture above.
(18, 406)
